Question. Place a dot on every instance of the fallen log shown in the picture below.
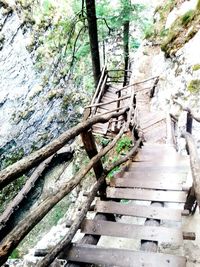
(11, 241)
(12, 172)
(194, 163)
(66, 241)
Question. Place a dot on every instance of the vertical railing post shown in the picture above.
(189, 122)
(91, 149)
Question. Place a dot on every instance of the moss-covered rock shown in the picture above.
(182, 30)
(194, 86)
(196, 67)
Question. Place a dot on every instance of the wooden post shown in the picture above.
(189, 123)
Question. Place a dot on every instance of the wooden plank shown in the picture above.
(161, 167)
(123, 258)
(155, 175)
(144, 194)
(138, 210)
(132, 231)
(146, 183)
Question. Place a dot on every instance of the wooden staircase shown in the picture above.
(157, 174)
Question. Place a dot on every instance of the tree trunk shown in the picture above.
(126, 24)
(126, 50)
(93, 36)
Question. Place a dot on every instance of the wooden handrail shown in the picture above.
(194, 163)
(99, 84)
(101, 91)
(109, 102)
(13, 171)
(136, 83)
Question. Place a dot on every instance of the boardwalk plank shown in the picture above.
(144, 194)
(138, 210)
(146, 183)
(132, 231)
(123, 258)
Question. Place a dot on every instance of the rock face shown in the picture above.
(179, 74)
(30, 114)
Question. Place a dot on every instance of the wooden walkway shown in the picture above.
(153, 181)
(148, 181)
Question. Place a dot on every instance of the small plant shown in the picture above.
(123, 144)
(187, 17)
(196, 67)
(194, 86)
(15, 254)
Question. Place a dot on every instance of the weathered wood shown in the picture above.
(64, 244)
(113, 110)
(109, 102)
(26, 225)
(160, 167)
(132, 231)
(66, 241)
(99, 84)
(123, 258)
(14, 171)
(156, 176)
(136, 83)
(146, 183)
(99, 96)
(131, 109)
(149, 195)
(138, 210)
(146, 245)
(194, 163)
(91, 149)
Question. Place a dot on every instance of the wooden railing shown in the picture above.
(193, 198)
(43, 156)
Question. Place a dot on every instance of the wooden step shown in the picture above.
(156, 176)
(132, 231)
(129, 209)
(146, 183)
(160, 167)
(147, 195)
(123, 258)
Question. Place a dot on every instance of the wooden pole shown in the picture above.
(194, 163)
(13, 171)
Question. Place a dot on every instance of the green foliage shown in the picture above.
(181, 31)
(149, 30)
(196, 67)
(15, 254)
(187, 17)
(134, 43)
(123, 144)
(194, 86)
(10, 191)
